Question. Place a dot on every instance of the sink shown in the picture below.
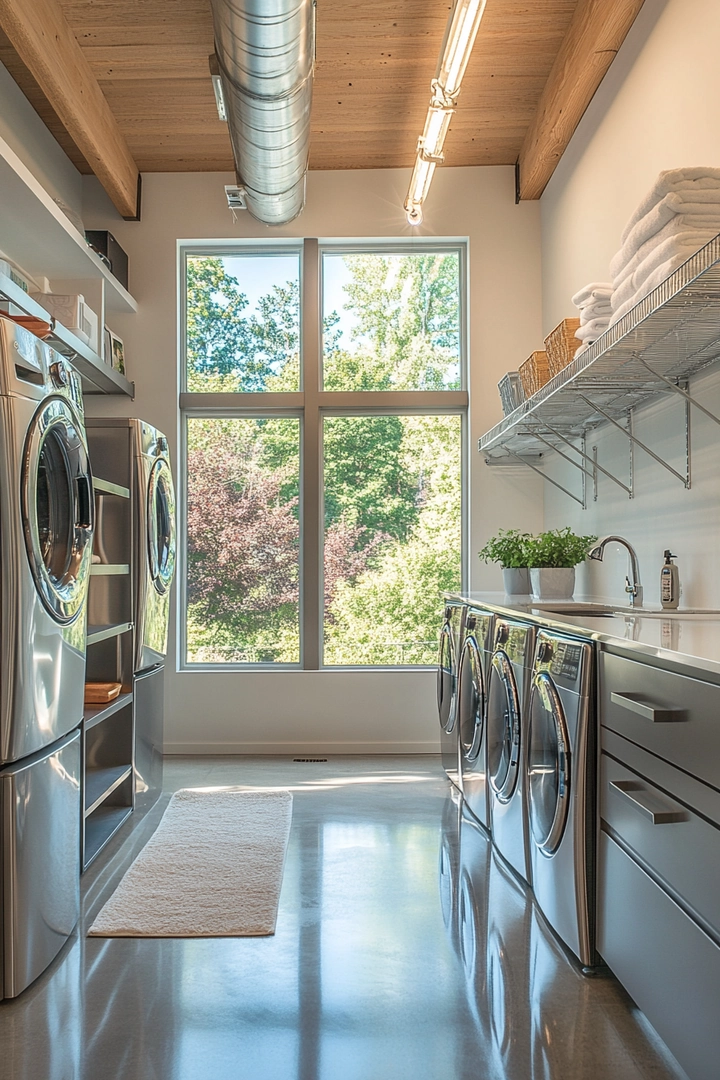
(561, 607)
(608, 611)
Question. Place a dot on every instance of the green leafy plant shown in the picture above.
(558, 548)
(508, 547)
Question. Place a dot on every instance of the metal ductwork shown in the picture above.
(265, 54)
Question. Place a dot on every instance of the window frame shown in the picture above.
(312, 404)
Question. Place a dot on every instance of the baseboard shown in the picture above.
(324, 749)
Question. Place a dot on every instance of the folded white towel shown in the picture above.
(694, 214)
(597, 310)
(596, 290)
(660, 274)
(592, 330)
(701, 178)
(656, 250)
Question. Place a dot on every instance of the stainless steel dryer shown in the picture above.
(561, 797)
(473, 666)
(447, 672)
(508, 690)
(46, 527)
(156, 544)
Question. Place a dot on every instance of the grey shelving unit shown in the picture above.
(109, 730)
(671, 335)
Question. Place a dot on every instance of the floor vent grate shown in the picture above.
(309, 759)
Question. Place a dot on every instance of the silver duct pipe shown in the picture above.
(265, 53)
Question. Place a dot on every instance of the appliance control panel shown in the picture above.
(562, 659)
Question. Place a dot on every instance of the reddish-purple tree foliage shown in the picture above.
(242, 540)
(344, 559)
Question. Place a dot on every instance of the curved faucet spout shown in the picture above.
(632, 588)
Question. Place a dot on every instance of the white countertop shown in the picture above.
(687, 639)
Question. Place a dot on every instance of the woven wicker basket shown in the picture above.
(511, 392)
(534, 372)
(561, 345)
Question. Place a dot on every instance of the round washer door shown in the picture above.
(471, 699)
(161, 526)
(548, 765)
(503, 727)
(57, 508)
(446, 679)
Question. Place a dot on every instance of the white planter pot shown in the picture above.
(552, 583)
(516, 580)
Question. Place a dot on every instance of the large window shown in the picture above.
(324, 407)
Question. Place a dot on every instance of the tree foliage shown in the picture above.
(391, 483)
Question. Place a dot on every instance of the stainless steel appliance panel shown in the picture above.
(451, 634)
(40, 801)
(149, 716)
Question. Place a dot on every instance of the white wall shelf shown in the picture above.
(97, 376)
(35, 233)
(671, 335)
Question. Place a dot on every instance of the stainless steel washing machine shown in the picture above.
(447, 676)
(156, 544)
(474, 664)
(561, 794)
(46, 530)
(508, 690)
(46, 526)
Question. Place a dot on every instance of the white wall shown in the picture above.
(658, 108)
(24, 131)
(333, 711)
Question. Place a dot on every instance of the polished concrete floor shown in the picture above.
(403, 950)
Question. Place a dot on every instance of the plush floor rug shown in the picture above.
(213, 868)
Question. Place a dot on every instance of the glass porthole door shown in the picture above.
(161, 526)
(471, 699)
(446, 679)
(548, 765)
(58, 509)
(503, 727)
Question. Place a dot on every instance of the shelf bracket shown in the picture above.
(679, 389)
(586, 457)
(549, 479)
(684, 480)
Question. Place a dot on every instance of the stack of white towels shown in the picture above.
(678, 216)
(593, 302)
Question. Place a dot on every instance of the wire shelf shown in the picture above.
(672, 334)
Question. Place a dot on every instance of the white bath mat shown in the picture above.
(213, 868)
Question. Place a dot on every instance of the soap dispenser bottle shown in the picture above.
(669, 582)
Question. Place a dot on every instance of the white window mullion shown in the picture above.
(311, 610)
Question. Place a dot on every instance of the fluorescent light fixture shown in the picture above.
(217, 87)
(460, 34)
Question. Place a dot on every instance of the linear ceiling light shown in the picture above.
(458, 42)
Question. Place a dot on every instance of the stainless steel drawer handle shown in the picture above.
(657, 714)
(647, 803)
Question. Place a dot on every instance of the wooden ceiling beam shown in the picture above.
(44, 42)
(596, 32)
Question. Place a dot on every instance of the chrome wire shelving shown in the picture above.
(671, 335)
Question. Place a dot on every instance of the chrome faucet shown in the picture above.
(634, 588)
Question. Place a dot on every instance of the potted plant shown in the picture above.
(552, 558)
(509, 548)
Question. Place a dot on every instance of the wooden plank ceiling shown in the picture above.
(375, 61)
